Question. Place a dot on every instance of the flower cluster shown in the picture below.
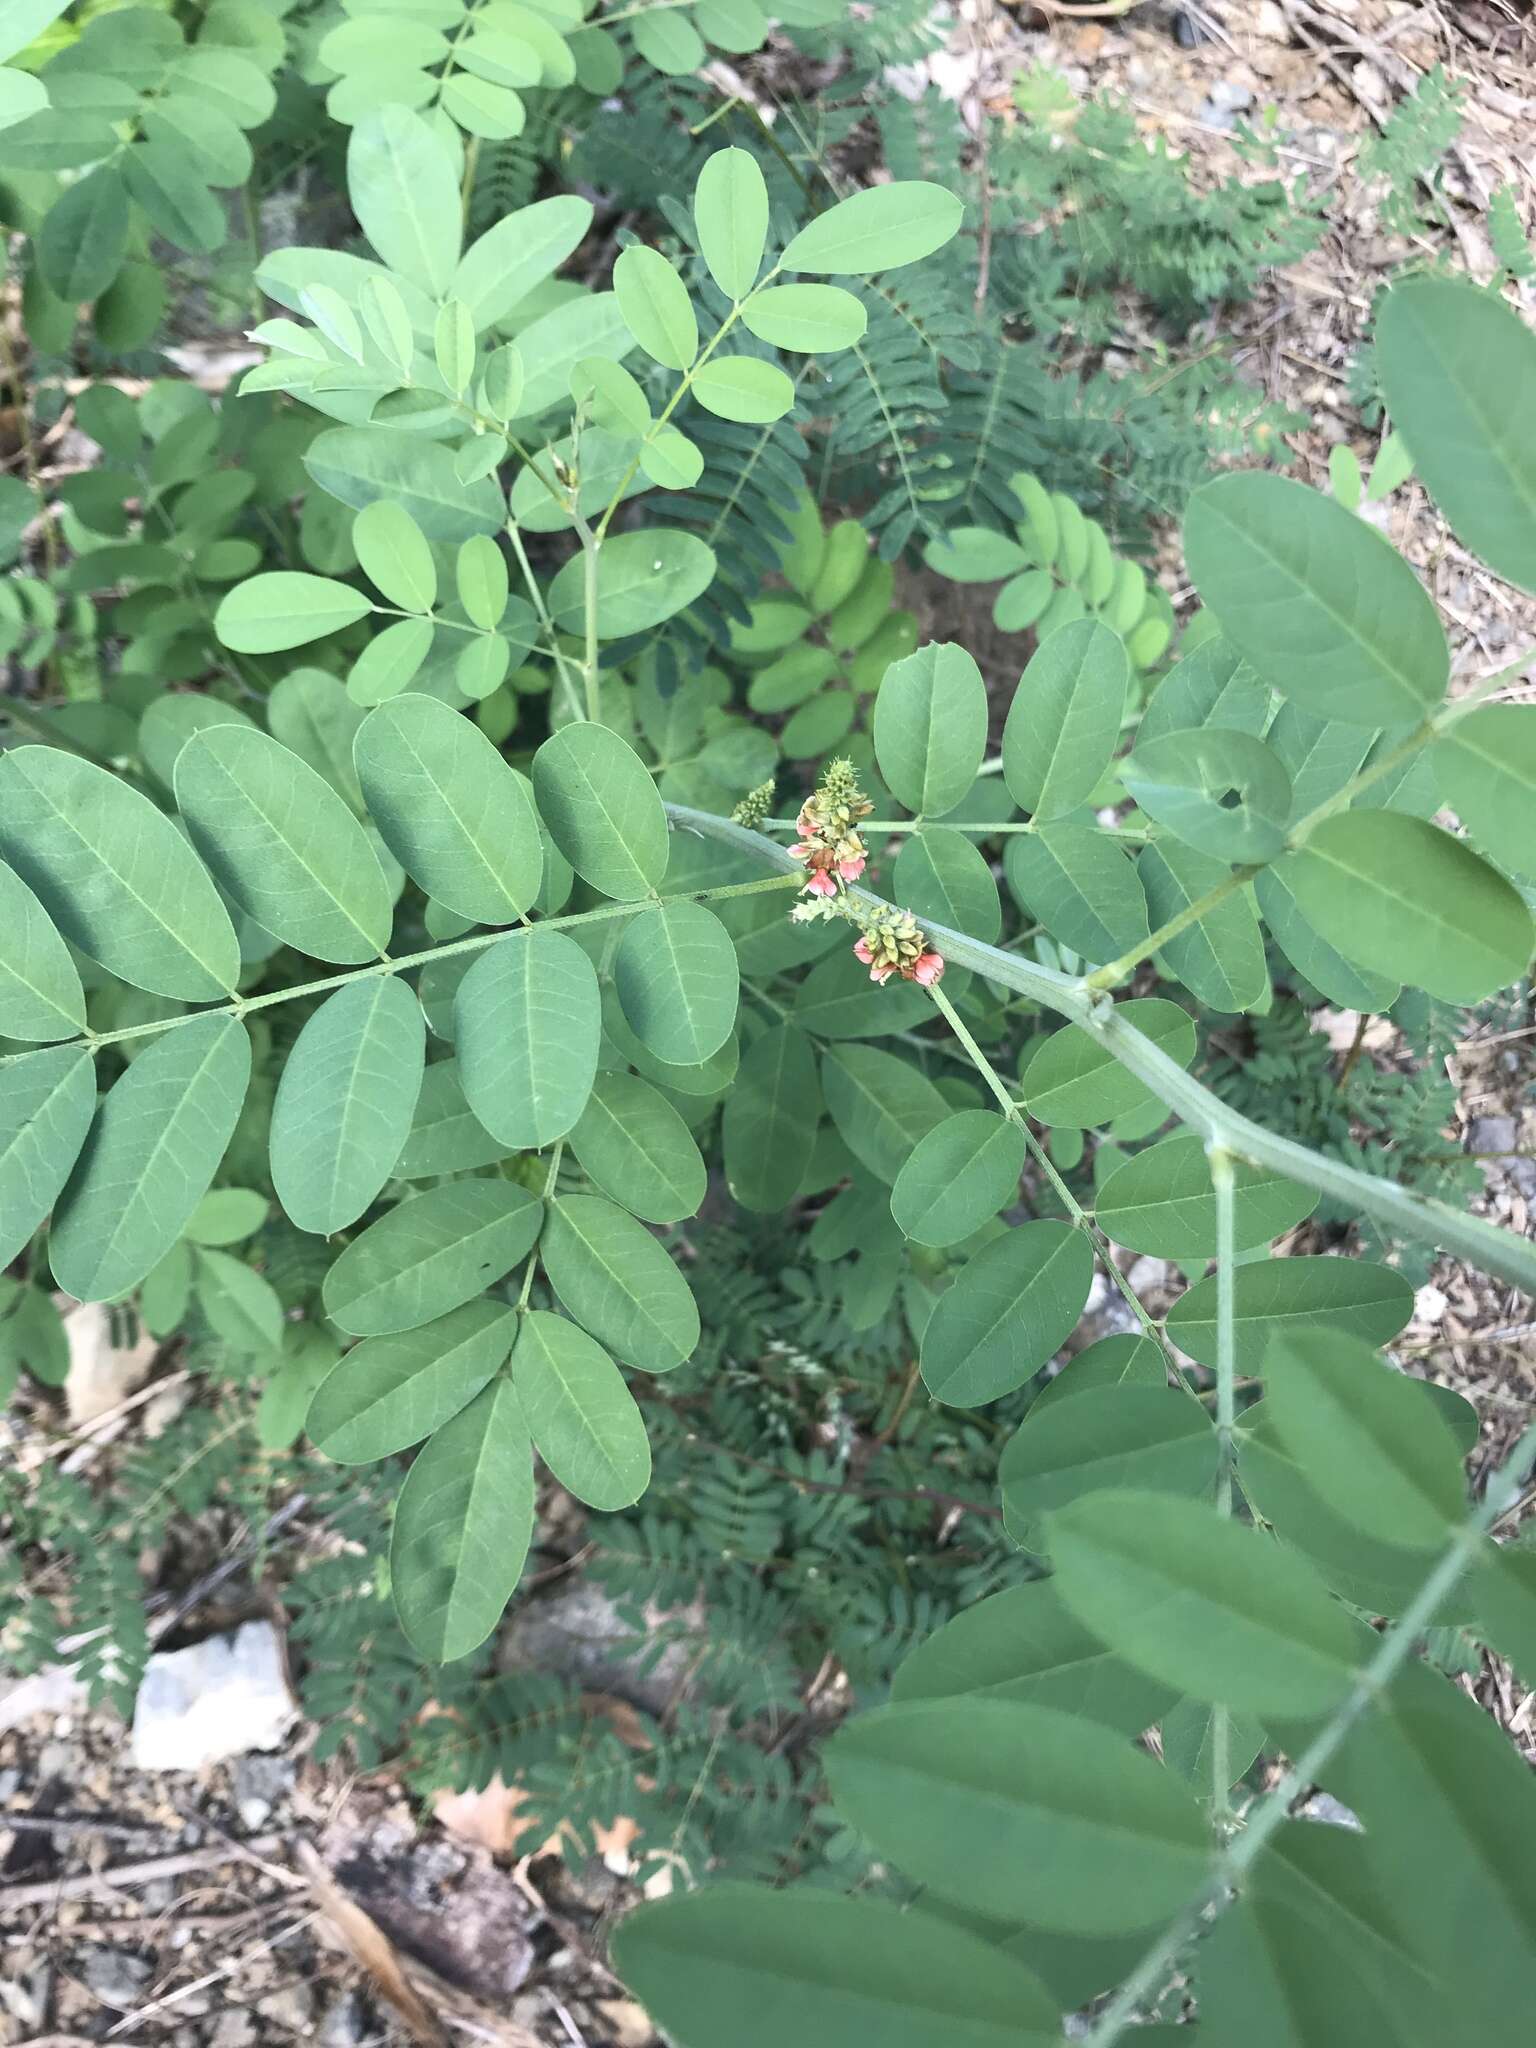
(754, 806)
(829, 842)
(892, 942)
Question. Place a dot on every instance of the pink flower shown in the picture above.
(928, 968)
(861, 950)
(820, 884)
(850, 870)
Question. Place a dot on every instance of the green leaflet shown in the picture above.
(879, 229)
(677, 980)
(527, 1021)
(1118, 1361)
(389, 1392)
(84, 236)
(311, 713)
(1351, 987)
(393, 554)
(1272, 1972)
(635, 1146)
(1505, 1590)
(1405, 899)
(152, 1151)
(600, 804)
(1487, 765)
(768, 1128)
(1320, 603)
(1222, 792)
(1149, 1437)
(1064, 721)
(730, 211)
(1379, 1578)
(401, 182)
(242, 1308)
(1081, 886)
(1207, 1604)
(1274, 1296)
(361, 465)
(463, 1524)
(960, 1174)
(1021, 1812)
(1023, 1644)
(740, 1963)
(345, 1101)
(456, 817)
(580, 1414)
(115, 875)
(1161, 1202)
(880, 1105)
(445, 1135)
(1010, 1307)
(47, 1101)
(1071, 1079)
(227, 1216)
(1448, 1806)
(815, 319)
(1459, 370)
(430, 1254)
(642, 580)
(931, 728)
(40, 993)
(1220, 958)
(171, 721)
(286, 1397)
(1366, 1438)
(656, 307)
(287, 608)
(941, 876)
(619, 1282)
(505, 264)
(283, 844)
(743, 388)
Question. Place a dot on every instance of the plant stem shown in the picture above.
(1075, 1210)
(536, 598)
(591, 545)
(93, 1041)
(1417, 1216)
(1393, 1651)
(1223, 1184)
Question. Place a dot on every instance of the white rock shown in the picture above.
(220, 1698)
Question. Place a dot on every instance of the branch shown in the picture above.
(1419, 1217)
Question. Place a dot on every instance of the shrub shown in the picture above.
(373, 1020)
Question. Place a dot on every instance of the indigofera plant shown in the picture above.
(473, 1020)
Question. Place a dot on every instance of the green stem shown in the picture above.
(1416, 1216)
(591, 546)
(1079, 1215)
(1271, 1812)
(92, 1041)
(536, 599)
(1223, 1184)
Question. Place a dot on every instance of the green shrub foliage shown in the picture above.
(486, 800)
